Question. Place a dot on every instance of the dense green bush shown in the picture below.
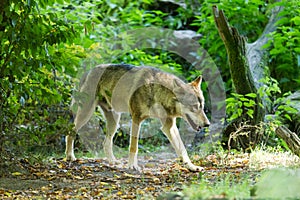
(285, 47)
(35, 80)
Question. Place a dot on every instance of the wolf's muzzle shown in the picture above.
(193, 125)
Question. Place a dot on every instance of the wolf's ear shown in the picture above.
(197, 82)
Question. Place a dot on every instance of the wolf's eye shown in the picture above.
(196, 107)
(201, 103)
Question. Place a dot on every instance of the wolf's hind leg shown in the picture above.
(69, 148)
(133, 146)
(171, 131)
(83, 115)
(112, 122)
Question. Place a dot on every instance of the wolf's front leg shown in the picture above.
(133, 147)
(171, 131)
(70, 148)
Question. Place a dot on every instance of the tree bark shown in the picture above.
(291, 139)
(243, 81)
(256, 55)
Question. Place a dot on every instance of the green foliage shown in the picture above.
(105, 37)
(238, 105)
(279, 104)
(33, 76)
(285, 109)
(279, 108)
(225, 187)
(284, 47)
(249, 17)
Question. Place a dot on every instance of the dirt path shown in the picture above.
(96, 179)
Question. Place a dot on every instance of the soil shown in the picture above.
(97, 179)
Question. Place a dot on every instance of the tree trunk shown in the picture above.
(246, 71)
(255, 53)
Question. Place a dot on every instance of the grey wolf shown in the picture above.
(144, 92)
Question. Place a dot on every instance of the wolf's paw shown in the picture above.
(194, 168)
(113, 161)
(134, 167)
(70, 157)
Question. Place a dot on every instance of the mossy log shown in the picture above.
(291, 139)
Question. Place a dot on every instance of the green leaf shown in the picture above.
(230, 99)
(247, 104)
(282, 21)
(253, 95)
(240, 111)
(252, 103)
(60, 1)
(288, 117)
(240, 104)
(234, 116)
(243, 99)
(250, 113)
(296, 20)
(237, 95)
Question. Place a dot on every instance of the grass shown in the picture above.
(272, 158)
(224, 188)
(270, 173)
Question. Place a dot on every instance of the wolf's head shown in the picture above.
(191, 102)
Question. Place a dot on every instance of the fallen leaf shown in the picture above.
(16, 173)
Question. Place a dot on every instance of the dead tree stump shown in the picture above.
(242, 79)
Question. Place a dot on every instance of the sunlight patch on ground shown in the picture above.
(261, 159)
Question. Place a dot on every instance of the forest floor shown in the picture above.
(97, 179)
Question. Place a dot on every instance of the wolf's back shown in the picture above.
(116, 83)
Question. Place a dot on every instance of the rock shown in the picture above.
(187, 35)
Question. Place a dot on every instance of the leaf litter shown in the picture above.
(97, 179)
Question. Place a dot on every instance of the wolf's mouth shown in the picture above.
(191, 122)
